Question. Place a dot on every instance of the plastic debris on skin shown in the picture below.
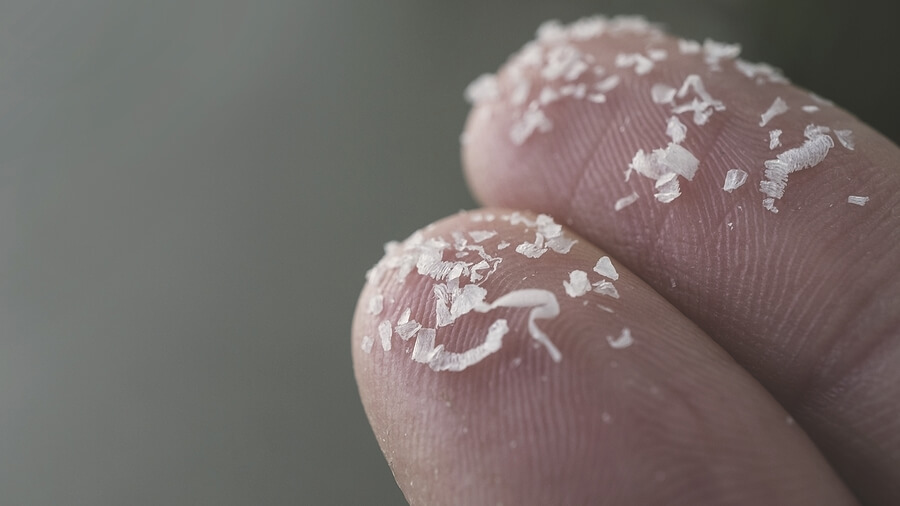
(578, 284)
(779, 106)
(734, 179)
(810, 154)
(859, 201)
(384, 333)
(376, 305)
(845, 137)
(774, 139)
(623, 341)
(606, 269)
(626, 201)
(366, 344)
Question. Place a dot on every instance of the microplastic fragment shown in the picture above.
(404, 316)
(668, 188)
(543, 305)
(533, 120)
(641, 63)
(520, 92)
(662, 94)
(384, 332)
(376, 305)
(597, 98)
(502, 245)
(676, 130)
(845, 137)
(366, 344)
(657, 54)
(623, 341)
(482, 235)
(734, 179)
(578, 284)
(560, 61)
(530, 250)
(443, 360)
(626, 201)
(483, 89)
(760, 72)
(408, 329)
(604, 287)
(548, 95)
(608, 84)
(774, 138)
(810, 108)
(688, 46)
(810, 154)
(779, 106)
(860, 201)
(606, 269)
(715, 51)
(703, 105)
(664, 165)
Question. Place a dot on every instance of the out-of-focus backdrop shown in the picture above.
(191, 192)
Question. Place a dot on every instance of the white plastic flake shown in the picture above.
(641, 63)
(532, 121)
(604, 287)
(577, 285)
(662, 94)
(714, 52)
(703, 105)
(626, 201)
(760, 72)
(779, 106)
(810, 108)
(408, 329)
(483, 89)
(384, 333)
(860, 201)
(774, 138)
(664, 166)
(502, 245)
(810, 154)
(845, 137)
(606, 269)
(549, 236)
(608, 84)
(376, 305)
(623, 341)
(734, 179)
(676, 130)
(366, 344)
(482, 235)
(657, 54)
(688, 46)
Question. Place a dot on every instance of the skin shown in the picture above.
(764, 364)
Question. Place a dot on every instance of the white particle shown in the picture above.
(641, 63)
(366, 344)
(384, 333)
(608, 84)
(548, 96)
(577, 285)
(604, 287)
(623, 341)
(533, 120)
(676, 130)
(688, 46)
(810, 154)
(376, 305)
(597, 98)
(404, 316)
(483, 89)
(606, 269)
(657, 54)
(530, 250)
(760, 72)
(810, 108)
(779, 106)
(703, 105)
(482, 235)
(734, 179)
(774, 138)
(626, 201)
(662, 93)
(408, 329)
(502, 245)
(664, 166)
(520, 92)
(860, 201)
(715, 51)
(845, 137)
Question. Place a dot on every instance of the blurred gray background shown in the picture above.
(191, 192)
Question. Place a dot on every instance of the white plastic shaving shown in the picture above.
(810, 154)
(688, 46)
(779, 106)
(606, 269)
(503, 245)
(483, 89)
(548, 236)
(440, 359)
(657, 54)
(623, 341)
(577, 285)
(860, 201)
(774, 138)
(548, 95)
(662, 94)
(845, 137)
(376, 305)
(760, 72)
(366, 344)
(626, 201)
(532, 121)
(664, 166)
(560, 61)
(384, 333)
(641, 63)
(703, 105)
(608, 84)
(404, 316)
(407, 330)
(810, 108)
(676, 130)
(734, 179)
(604, 287)
(714, 52)
(482, 235)
(520, 92)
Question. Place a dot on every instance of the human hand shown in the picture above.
(726, 354)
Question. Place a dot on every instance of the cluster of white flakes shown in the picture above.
(761, 73)
(579, 284)
(459, 266)
(810, 154)
(734, 179)
(664, 166)
(553, 68)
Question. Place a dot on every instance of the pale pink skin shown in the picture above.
(805, 301)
